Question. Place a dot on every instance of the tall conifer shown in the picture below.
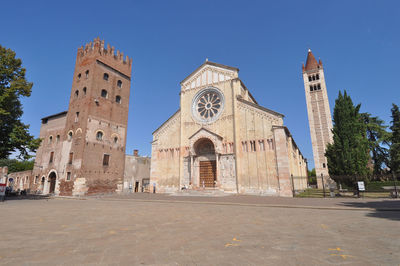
(348, 154)
(395, 138)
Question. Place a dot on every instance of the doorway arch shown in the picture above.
(52, 179)
(205, 152)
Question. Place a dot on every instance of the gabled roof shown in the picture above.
(210, 64)
(205, 129)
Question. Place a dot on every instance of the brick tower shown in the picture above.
(319, 115)
(96, 122)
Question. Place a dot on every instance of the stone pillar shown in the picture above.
(282, 158)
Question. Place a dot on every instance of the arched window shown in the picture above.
(317, 76)
(79, 76)
(319, 86)
(76, 93)
(105, 76)
(311, 88)
(115, 140)
(119, 84)
(50, 139)
(70, 135)
(309, 78)
(118, 99)
(313, 77)
(99, 135)
(104, 94)
(315, 87)
(87, 73)
(84, 91)
(58, 138)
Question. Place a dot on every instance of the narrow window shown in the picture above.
(51, 157)
(50, 139)
(324, 165)
(76, 94)
(319, 86)
(115, 140)
(99, 135)
(79, 76)
(58, 138)
(76, 117)
(84, 91)
(105, 76)
(106, 159)
(311, 88)
(309, 78)
(313, 77)
(71, 157)
(119, 84)
(68, 176)
(244, 146)
(118, 99)
(261, 144)
(70, 135)
(36, 179)
(317, 76)
(87, 73)
(315, 87)
(104, 93)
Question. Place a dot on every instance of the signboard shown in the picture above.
(361, 186)
(2, 190)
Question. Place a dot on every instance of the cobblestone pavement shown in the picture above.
(234, 230)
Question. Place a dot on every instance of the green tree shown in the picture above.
(378, 139)
(348, 155)
(14, 135)
(394, 149)
(17, 166)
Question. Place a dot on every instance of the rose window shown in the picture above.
(207, 105)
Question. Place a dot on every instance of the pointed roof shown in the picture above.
(311, 63)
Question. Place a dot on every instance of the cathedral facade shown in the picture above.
(222, 139)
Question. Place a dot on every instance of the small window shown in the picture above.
(76, 94)
(71, 157)
(319, 86)
(115, 140)
(36, 179)
(261, 144)
(79, 76)
(106, 159)
(51, 157)
(317, 76)
(58, 138)
(119, 84)
(99, 135)
(244, 146)
(311, 88)
(87, 73)
(253, 145)
(309, 78)
(105, 76)
(324, 165)
(68, 176)
(76, 117)
(315, 87)
(84, 91)
(118, 99)
(104, 93)
(70, 135)
(50, 139)
(313, 77)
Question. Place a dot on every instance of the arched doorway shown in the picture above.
(205, 151)
(52, 180)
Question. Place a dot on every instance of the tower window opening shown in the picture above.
(58, 138)
(311, 88)
(99, 135)
(115, 140)
(106, 159)
(51, 157)
(79, 76)
(324, 165)
(84, 91)
(70, 135)
(118, 99)
(309, 78)
(68, 176)
(119, 84)
(76, 93)
(319, 86)
(313, 77)
(105, 76)
(76, 117)
(104, 93)
(317, 76)
(50, 139)
(315, 87)
(87, 73)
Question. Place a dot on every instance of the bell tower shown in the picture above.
(319, 115)
(97, 119)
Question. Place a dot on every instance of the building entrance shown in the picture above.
(208, 174)
(207, 170)
(52, 178)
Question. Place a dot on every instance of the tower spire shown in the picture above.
(311, 62)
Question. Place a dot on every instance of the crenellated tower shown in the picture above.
(319, 114)
(97, 119)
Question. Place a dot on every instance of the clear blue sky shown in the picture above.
(358, 42)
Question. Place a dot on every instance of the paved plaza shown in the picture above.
(154, 229)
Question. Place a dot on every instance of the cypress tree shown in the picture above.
(395, 139)
(348, 155)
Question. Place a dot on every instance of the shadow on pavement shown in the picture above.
(27, 197)
(387, 209)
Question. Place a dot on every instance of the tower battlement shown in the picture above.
(97, 49)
